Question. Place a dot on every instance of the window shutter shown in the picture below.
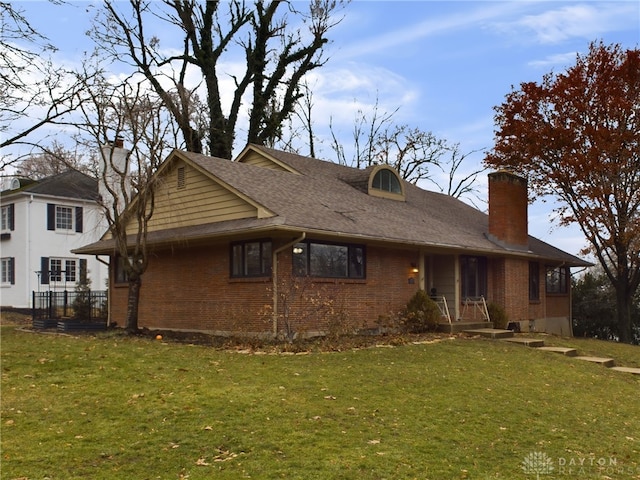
(44, 270)
(79, 219)
(83, 270)
(51, 216)
(12, 225)
(12, 270)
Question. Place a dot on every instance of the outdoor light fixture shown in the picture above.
(414, 268)
(297, 250)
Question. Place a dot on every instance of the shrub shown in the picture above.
(421, 314)
(497, 315)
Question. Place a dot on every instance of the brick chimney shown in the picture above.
(508, 202)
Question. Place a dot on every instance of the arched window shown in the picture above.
(387, 181)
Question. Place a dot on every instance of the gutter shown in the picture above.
(108, 288)
(274, 276)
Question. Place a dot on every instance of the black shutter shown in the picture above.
(83, 270)
(44, 270)
(12, 225)
(12, 271)
(51, 216)
(79, 219)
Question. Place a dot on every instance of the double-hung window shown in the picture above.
(63, 218)
(65, 270)
(251, 259)
(329, 260)
(7, 271)
(7, 216)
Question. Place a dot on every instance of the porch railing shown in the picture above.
(83, 306)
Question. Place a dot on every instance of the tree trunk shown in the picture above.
(133, 300)
(623, 307)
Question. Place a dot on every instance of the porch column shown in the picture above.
(456, 283)
(422, 275)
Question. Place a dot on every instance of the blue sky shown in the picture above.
(444, 65)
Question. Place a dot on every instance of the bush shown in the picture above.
(421, 314)
(497, 315)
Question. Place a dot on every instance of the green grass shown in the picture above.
(113, 407)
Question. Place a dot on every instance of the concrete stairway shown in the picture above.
(508, 336)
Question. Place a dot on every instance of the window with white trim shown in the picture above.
(7, 271)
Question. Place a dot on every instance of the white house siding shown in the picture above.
(30, 241)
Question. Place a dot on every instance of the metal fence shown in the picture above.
(84, 306)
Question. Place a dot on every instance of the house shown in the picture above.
(42, 221)
(278, 243)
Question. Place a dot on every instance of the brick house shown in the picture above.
(275, 243)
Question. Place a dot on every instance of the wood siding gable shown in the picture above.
(252, 156)
(187, 196)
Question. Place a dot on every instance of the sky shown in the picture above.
(444, 65)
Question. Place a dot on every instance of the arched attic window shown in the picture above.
(385, 182)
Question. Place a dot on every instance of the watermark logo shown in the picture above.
(537, 463)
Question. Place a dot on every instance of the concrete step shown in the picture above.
(457, 327)
(605, 362)
(490, 332)
(633, 370)
(569, 352)
(527, 342)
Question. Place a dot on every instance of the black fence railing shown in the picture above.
(85, 307)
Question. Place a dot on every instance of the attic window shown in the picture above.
(385, 182)
(181, 178)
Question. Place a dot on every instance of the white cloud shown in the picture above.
(576, 20)
(558, 59)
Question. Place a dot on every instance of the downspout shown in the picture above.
(108, 288)
(274, 276)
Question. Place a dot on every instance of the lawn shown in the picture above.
(115, 407)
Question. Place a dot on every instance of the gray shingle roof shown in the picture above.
(69, 184)
(328, 199)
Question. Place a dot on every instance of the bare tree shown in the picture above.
(54, 159)
(417, 155)
(33, 91)
(118, 115)
(276, 59)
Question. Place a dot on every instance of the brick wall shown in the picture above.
(508, 204)
(190, 288)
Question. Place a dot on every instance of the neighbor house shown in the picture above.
(42, 221)
(278, 243)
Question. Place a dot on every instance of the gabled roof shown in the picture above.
(328, 200)
(69, 184)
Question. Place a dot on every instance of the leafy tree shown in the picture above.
(277, 57)
(594, 308)
(576, 135)
(33, 91)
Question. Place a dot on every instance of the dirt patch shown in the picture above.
(18, 317)
(319, 344)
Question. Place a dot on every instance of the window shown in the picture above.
(120, 275)
(387, 181)
(329, 260)
(64, 218)
(557, 280)
(61, 269)
(251, 259)
(534, 281)
(7, 271)
(7, 214)
(473, 277)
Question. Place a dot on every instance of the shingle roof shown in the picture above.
(69, 184)
(328, 199)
